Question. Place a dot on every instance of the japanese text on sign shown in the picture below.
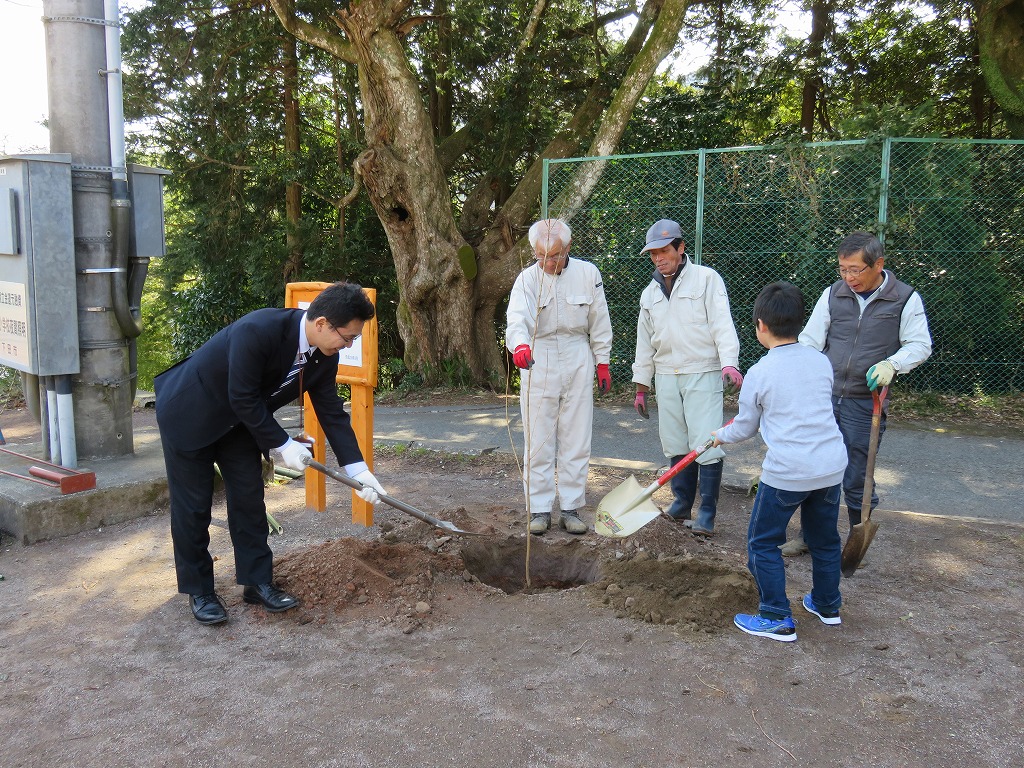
(13, 326)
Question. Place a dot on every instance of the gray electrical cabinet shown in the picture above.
(146, 192)
(38, 294)
(38, 290)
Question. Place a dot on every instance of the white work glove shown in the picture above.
(371, 488)
(293, 455)
(880, 375)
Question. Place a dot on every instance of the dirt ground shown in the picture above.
(414, 647)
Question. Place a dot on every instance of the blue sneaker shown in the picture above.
(776, 629)
(827, 617)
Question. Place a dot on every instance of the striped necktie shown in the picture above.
(300, 360)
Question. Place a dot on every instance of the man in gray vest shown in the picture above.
(871, 327)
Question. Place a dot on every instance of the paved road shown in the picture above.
(923, 471)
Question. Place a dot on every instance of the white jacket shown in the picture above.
(582, 310)
(689, 332)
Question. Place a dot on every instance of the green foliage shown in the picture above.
(901, 56)
(394, 376)
(739, 97)
(451, 373)
(881, 61)
(511, 99)
(219, 130)
(207, 80)
(155, 347)
(11, 395)
(946, 205)
(673, 116)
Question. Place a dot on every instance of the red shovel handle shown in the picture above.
(688, 459)
(879, 397)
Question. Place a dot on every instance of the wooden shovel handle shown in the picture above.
(869, 470)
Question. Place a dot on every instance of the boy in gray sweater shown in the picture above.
(788, 394)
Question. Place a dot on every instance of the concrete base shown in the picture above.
(127, 487)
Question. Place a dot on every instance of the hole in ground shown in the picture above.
(502, 564)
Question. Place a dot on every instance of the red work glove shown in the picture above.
(604, 378)
(640, 404)
(523, 357)
(732, 379)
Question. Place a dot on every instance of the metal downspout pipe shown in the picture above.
(127, 308)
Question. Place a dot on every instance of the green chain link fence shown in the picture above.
(950, 212)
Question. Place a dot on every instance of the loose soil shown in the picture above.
(416, 647)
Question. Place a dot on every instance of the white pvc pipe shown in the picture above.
(52, 420)
(66, 422)
(115, 97)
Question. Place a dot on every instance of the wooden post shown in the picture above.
(316, 483)
(361, 406)
(358, 369)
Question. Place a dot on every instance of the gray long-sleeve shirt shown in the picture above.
(788, 395)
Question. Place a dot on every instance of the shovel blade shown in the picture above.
(861, 536)
(618, 516)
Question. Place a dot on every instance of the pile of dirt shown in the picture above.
(691, 593)
(394, 582)
(661, 575)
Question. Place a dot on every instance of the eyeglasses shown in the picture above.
(349, 340)
(539, 255)
(851, 271)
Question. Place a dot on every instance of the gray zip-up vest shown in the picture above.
(855, 342)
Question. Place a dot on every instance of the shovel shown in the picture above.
(863, 532)
(341, 477)
(628, 508)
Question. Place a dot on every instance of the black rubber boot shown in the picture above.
(684, 488)
(854, 515)
(710, 485)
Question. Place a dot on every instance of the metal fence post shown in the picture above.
(698, 238)
(883, 194)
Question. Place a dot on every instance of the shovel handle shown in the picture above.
(355, 485)
(688, 459)
(878, 397)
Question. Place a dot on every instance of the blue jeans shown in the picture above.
(819, 511)
(853, 415)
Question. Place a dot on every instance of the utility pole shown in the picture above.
(103, 391)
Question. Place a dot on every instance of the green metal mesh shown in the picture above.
(950, 212)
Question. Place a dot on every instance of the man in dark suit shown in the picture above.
(217, 406)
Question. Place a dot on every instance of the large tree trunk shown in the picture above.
(443, 315)
(409, 192)
(813, 97)
(1001, 45)
(293, 190)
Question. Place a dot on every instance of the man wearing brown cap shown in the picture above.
(686, 342)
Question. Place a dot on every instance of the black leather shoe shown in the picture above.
(208, 609)
(270, 597)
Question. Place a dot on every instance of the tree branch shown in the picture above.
(410, 24)
(310, 33)
(531, 27)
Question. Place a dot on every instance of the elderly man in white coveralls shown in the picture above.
(686, 341)
(558, 331)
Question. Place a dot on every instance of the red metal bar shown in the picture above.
(54, 475)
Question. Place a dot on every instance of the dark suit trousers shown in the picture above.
(190, 476)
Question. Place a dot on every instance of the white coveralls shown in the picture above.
(564, 318)
(684, 341)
